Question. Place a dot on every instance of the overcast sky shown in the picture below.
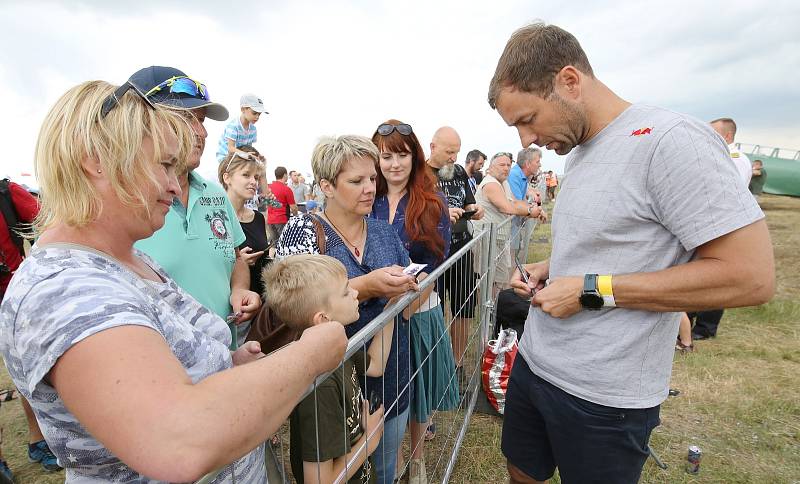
(327, 68)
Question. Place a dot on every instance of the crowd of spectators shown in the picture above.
(136, 252)
(168, 262)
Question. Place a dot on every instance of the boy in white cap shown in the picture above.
(242, 130)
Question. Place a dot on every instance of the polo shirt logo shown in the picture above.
(641, 131)
(216, 220)
(211, 201)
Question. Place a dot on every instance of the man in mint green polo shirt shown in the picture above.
(199, 243)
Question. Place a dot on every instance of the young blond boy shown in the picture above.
(319, 450)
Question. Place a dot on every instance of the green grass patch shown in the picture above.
(739, 392)
(738, 402)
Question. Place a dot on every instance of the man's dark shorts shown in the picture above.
(460, 281)
(545, 427)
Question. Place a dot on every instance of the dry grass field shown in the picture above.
(739, 393)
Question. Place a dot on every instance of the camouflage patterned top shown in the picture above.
(64, 293)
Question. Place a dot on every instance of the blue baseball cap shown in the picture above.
(192, 95)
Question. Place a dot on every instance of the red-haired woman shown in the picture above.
(406, 197)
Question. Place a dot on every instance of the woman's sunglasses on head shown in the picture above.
(387, 129)
(249, 156)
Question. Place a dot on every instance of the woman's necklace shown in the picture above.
(245, 215)
(355, 247)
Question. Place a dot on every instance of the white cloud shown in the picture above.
(334, 68)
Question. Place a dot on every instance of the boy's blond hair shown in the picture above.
(289, 293)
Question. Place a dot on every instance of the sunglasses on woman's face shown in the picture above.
(386, 129)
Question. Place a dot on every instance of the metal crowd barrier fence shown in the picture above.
(464, 301)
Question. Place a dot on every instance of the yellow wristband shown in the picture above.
(604, 286)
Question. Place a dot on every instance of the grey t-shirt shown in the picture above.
(300, 191)
(63, 294)
(640, 196)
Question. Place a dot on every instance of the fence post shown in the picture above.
(487, 312)
(486, 250)
(487, 255)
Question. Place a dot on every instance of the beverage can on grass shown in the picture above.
(693, 459)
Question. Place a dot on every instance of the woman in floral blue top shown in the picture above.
(407, 198)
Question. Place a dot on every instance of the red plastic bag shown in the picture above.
(498, 359)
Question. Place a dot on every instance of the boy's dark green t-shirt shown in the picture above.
(338, 408)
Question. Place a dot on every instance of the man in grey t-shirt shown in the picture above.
(633, 246)
(300, 189)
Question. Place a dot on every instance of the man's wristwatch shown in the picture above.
(529, 210)
(591, 298)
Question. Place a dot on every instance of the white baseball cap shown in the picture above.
(253, 102)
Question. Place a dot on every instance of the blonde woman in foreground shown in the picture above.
(130, 378)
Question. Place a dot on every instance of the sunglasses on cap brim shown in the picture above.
(387, 129)
(176, 85)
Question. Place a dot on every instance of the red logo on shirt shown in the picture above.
(216, 221)
(642, 131)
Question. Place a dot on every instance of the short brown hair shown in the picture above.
(533, 56)
(729, 123)
(288, 293)
(233, 162)
(474, 155)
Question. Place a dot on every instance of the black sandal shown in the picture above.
(682, 348)
(8, 395)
